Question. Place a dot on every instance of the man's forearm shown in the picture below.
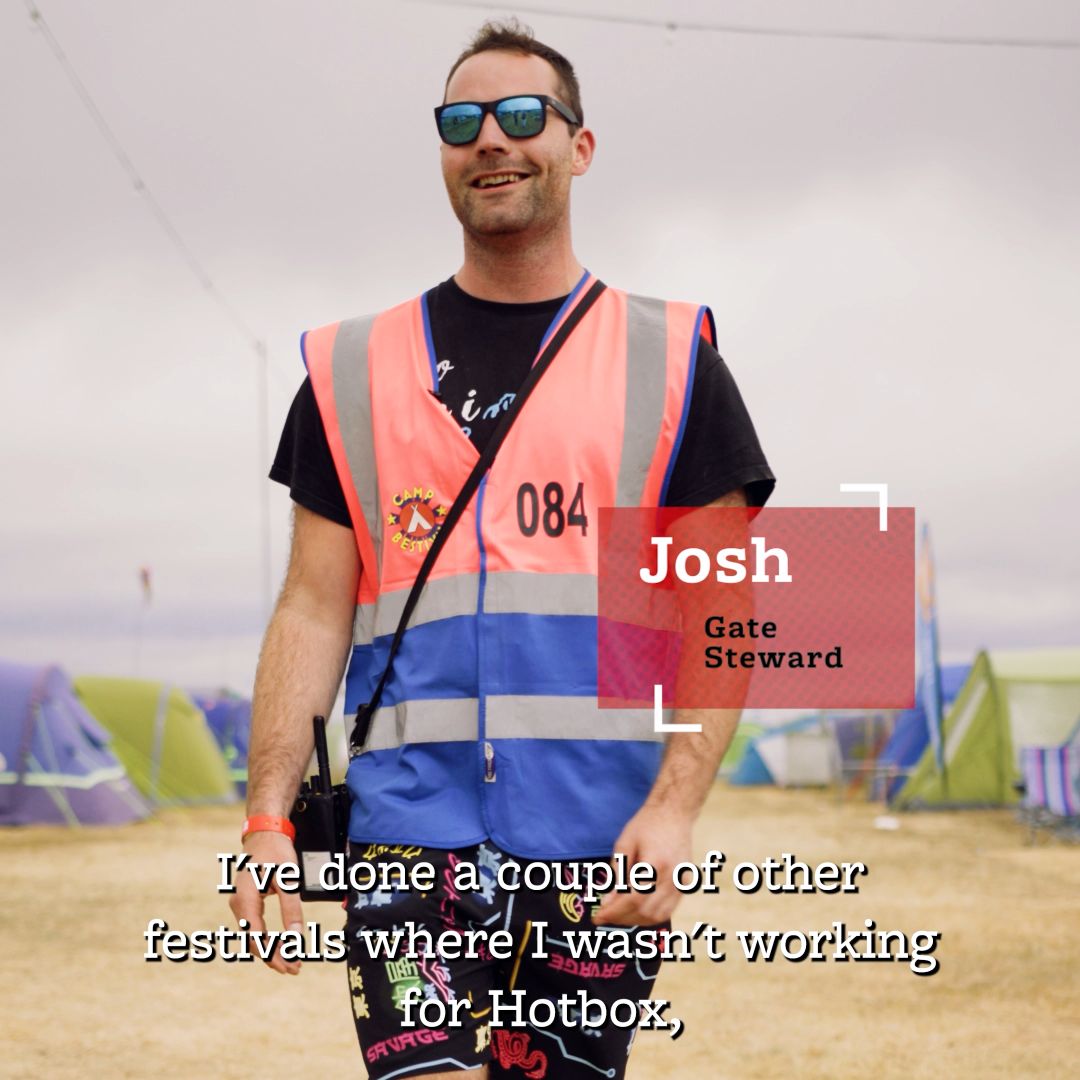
(660, 832)
(691, 759)
(300, 668)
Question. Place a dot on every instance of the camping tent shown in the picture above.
(860, 738)
(745, 734)
(1009, 701)
(229, 717)
(911, 735)
(799, 753)
(55, 763)
(751, 769)
(162, 738)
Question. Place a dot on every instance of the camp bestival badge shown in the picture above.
(725, 607)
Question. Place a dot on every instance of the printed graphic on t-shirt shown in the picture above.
(472, 409)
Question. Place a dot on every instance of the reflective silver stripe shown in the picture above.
(420, 721)
(646, 383)
(506, 592)
(512, 716)
(508, 716)
(442, 598)
(352, 398)
(540, 594)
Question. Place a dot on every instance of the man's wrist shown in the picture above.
(274, 823)
(673, 804)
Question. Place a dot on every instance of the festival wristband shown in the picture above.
(267, 823)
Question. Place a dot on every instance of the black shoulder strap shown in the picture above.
(543, 362)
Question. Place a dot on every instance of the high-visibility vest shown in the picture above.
(489, 726)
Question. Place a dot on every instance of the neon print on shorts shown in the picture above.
(572, 906)
(403, 977)
(512, 1048)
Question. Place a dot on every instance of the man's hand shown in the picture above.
(659, 833)
(300, 667)
(659, 836)
(247, 902)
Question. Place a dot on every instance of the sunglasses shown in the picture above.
(520, 117)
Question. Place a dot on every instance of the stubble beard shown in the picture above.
(537, 211)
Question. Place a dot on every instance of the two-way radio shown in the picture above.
(320, 816)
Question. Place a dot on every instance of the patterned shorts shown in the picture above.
(383, 988)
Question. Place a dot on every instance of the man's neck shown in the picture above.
(505, 270)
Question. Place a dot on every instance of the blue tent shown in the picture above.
(911, 734)
(55, 763)
(229, 717)
(753, 768)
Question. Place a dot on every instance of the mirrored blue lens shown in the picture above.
(460, 123)
(521, 117)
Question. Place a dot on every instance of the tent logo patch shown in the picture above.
(416, 518)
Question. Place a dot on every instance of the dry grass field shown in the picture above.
(79, 1001)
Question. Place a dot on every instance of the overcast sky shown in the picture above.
(888, 234)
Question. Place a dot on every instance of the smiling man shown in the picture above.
(487, 748)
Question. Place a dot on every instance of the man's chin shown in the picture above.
(503, 228)
(481, 225)
(480, 220)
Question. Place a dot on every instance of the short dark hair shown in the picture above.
(513, 36)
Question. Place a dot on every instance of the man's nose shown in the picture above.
(492, 138)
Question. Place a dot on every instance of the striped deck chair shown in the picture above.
(1052, 776)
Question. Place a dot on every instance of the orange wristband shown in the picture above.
(267, 823)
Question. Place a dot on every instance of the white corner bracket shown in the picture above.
(658, 713)
(882, 491)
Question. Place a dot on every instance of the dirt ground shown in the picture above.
(81, 1002)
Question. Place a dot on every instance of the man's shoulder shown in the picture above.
(319, 344)
(399, 310)
(648, 299)
(692, 315)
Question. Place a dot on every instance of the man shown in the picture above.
(489, 747)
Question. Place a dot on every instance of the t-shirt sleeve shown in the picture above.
(720, 450)
(304, 463)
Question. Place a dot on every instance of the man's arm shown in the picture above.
(300, 667)
(660, 832)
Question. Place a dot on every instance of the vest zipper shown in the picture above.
(489, 763)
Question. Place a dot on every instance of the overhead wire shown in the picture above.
(676, 24)
(258, 344)
(140, 185)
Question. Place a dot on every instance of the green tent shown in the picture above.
(162, 739)
(1009, 701)
(745, 734)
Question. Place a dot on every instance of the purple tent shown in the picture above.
(55, 762)
(229, 717)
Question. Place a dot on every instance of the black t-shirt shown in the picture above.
(484, 351)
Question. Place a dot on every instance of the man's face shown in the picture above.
(537, 199)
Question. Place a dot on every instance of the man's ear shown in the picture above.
(584, 148)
